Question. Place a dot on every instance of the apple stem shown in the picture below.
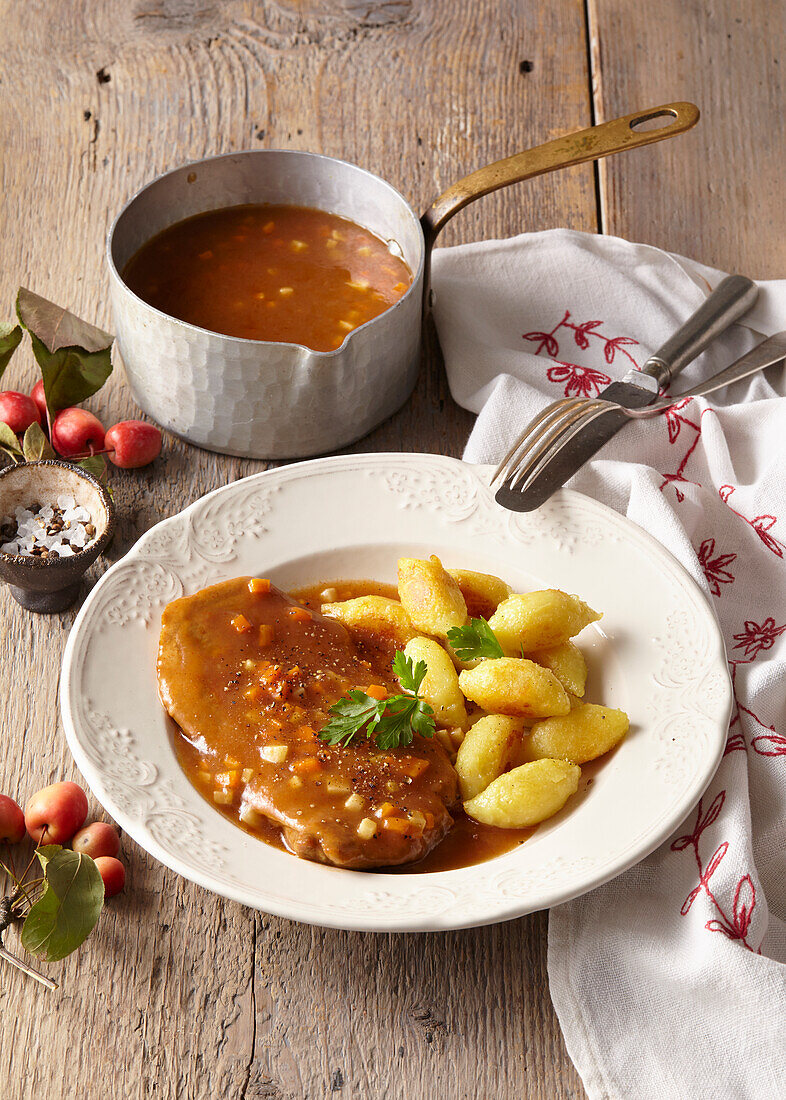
(6, 954)
(91, 454)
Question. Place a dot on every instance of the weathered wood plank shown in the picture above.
(715, 193)
(178, 993)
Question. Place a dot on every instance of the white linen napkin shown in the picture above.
(670, 981)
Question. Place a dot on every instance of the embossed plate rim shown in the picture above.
(437, 500)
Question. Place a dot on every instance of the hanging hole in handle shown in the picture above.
(653, 121)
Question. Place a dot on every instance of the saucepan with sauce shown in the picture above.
(268, 303)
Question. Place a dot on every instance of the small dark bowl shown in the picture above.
(52, 584)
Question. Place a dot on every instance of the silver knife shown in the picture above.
(733, 297)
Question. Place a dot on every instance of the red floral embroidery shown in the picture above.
(580, 380)
(736, 926)
(615, 345)
(756, 637)
(544, 340)
(765, 744)
(760, 524)
(770, 744)
(736, 741)
(675, 422)
(716, 569)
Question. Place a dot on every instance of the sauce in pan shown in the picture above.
(284, 273)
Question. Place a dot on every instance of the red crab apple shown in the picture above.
(55, 813)
(133, 443)
(75, 431)
(113, 873)
(98, 839)
(12, 820)
(18, 411)
(38, 395)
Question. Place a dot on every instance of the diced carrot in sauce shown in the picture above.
(226, 779)
(306, 732)
(386, 809)
(252, 693)
(397, 824)
(309, 765)
(377, 691)
(300, 614)
(241, 624)
(259, 585)
(413, 766)
(254, 297)
(267, 633)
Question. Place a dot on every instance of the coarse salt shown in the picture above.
(63, 529)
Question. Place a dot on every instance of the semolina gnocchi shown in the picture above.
(539, 620)
(376, 614)
(430, 596)
(482, 592)
(440, 688)
(567, 663)
(511, 716)
(514, 685)
(526, 795)
(485, 751)
(587, 732)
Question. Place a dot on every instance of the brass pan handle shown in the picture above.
(590, 144)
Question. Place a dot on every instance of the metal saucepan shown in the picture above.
(261, 399)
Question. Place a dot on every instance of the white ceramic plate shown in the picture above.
(657, 653)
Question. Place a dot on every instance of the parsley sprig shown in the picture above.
(393, 721)
(474, 640)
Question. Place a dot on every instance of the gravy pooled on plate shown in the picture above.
(249, 674)
(261, 272)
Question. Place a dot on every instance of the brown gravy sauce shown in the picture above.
(468, 842)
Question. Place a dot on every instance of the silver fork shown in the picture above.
(549, 434)
(764, 355)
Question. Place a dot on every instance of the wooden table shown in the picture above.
(179, 993)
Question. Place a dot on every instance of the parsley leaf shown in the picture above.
(410, 674)
(393, 721)
(349, 717)
(477, 639)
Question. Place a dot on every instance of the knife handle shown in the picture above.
(731, 298)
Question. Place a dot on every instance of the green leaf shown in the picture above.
(10, 335)
(350, 715)
(35, 445)
(56, 327)
(474, 640)
(95, 465)
(410, 675)
(67, 911)
(393, 721)
(74, 356)
(9, 443)
(71, 375)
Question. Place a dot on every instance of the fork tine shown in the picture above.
(571, 427)
(509, 463)
(552, 441)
